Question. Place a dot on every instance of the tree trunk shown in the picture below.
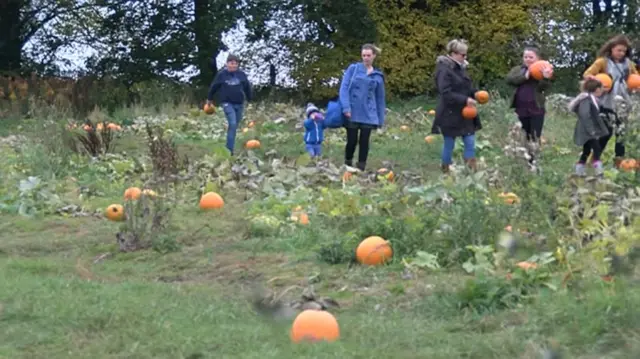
(205, 41)
(10, 36)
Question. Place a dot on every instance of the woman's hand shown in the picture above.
(547, 72)
(526, 74)
(471, 102)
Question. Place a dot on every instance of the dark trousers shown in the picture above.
(595, 145)
(532, 126)
(357, 137)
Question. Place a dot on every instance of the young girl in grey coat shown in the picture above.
(591, 131)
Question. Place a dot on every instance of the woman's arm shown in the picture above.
(444, 88)
(381, 103)
(344, 89)
(597, 67)
(516, 77)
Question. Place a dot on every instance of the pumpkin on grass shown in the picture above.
(628, 165)
(132, 193)
(252, 144)
(429, 139)
(211, 200)
(314, 326)
(373, 251)
(115, 212)
(387, 174)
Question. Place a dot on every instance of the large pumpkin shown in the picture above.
(315, 325)
(115, 212)
(482, 97)
(469, 112)
(628, 165)
(209, 109)
(373, 250)
(605, 80)
(633, 82)
(211, 200)
(536, 69)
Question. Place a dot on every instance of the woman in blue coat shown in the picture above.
(362, 97)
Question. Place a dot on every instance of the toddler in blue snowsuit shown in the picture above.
(313, 130)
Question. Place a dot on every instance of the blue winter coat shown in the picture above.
(363, 95)
(313, 131)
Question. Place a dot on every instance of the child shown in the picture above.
(591, 130)
(313, 130)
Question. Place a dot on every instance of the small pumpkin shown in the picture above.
(149, 192)
(252, 144)
(373, 250)
(132, 193)
(347, 176)
(211, 200)
(209, 109)
(628, 165)
(114, 126)
(482, 97)
(429, 139)
(469, 112)
(404, 128)
(245, 130)
(606, 81)
(314, 326)
(251, 124)
(115, 212)
(509, 197)
(386, 173)
(527, 265)
(432, 112)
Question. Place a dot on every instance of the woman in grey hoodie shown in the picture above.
(591, 131)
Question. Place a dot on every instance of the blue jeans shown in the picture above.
(233, 113)
(450, 143)
(314, 150)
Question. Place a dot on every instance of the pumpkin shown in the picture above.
(628, 165)
(315, 325)
(298, 215)
(303, 218)
(209, 109)
(633, 82)
(429, 139)
(99, 126)
(404, 128)
(605, 80)
(432, 112)
(252, 144)
(536, 68)
(132, 193)
(509, 197)
(211, 200)
(245, 130)
(347, 176)
(482, 97)
(388, 174)
(373, 250)
(114, 127)
(527, 265)
(251, 124)
(469, 112)
(115, 212)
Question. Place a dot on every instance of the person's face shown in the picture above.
(232, 66)
(368, 56)
(598, 92)
(460, 56)
(618, 52)
(529, 57)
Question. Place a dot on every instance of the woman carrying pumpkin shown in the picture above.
(528, 98)
(455, 91)
(614, 59)
(362, 97)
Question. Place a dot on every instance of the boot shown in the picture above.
(445, 169)
(361, 166)
(597, 166)
(580, 169)
(617, 161)
(348, 163)
(472, 164)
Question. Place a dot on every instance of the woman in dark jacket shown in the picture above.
(529, 96)
(456, 91)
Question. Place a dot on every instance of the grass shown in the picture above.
(66, 291)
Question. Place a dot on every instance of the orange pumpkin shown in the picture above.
(251, 124)
(509, 197)
(373, 251)
(347, 176)
(209, 109)
(633, 82)
(536, 69)
(482, 97)
(252, 144)
(469, 112)
(605, 80)
(388, 174)
(115, 212)
(429, 139)
(114, 126)
(315, 325)
(211, 200)
(132, 193)
(527, 265)
(628, 165)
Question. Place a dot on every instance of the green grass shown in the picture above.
(66, 292)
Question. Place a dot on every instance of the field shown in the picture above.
(186, 285)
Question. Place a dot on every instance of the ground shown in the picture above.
(66, 291)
